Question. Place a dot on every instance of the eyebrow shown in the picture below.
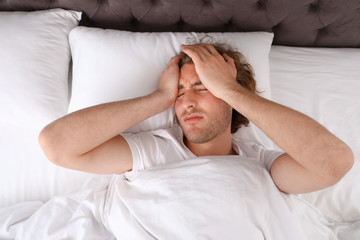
(198, 83)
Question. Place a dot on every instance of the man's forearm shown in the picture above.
(83, 130)
(308, 142)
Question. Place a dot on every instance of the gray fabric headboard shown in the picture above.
(312, 23)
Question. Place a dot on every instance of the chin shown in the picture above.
(199, 136)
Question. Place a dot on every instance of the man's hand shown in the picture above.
(216, 72)
(169, 80)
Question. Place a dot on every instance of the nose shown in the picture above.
(189, 99)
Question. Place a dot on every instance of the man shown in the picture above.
(204, 94)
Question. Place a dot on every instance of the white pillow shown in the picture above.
(34, 63)
(324, 84)
(34, 66)
(111, 65)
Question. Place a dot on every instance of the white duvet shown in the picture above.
(205, 198)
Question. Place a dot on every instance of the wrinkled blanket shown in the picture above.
(204, 198)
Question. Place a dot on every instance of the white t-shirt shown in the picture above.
(166, 146)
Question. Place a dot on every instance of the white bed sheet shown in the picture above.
(77, 215)
(203, 198)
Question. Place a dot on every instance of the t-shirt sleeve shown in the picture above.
(262, 154)
(268, 157)
(141, 155)
(151, 149)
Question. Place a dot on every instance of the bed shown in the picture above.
(60, 56)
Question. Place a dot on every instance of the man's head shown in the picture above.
(201, 115)
(198, 102)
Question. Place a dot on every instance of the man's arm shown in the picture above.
(88, 140)
(314, 157)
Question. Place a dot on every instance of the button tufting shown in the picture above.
(261, 4)
(276, 27)
(207, 2)
(180, 25)
(323, 31)
(134, 21)
(229, 26)
(315, 6)
(180, 22)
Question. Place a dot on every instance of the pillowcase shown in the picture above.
(324, 84)
(112, 65)
(34, 66)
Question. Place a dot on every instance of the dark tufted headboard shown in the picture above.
(316, 23)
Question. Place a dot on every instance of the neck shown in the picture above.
(220, 145)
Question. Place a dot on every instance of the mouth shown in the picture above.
(192, 118)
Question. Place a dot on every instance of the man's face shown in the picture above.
(201, 115)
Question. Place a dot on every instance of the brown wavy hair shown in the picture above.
(245, 77)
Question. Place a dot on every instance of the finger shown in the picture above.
(212, 50)
(229, 59)
(176, 59)
(200, 49)
(191, 52)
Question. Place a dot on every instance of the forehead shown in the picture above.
(188, 75)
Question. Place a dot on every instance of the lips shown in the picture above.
(192, 118)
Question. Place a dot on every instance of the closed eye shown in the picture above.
(198, 90)
(202, 89)
(181, 94)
